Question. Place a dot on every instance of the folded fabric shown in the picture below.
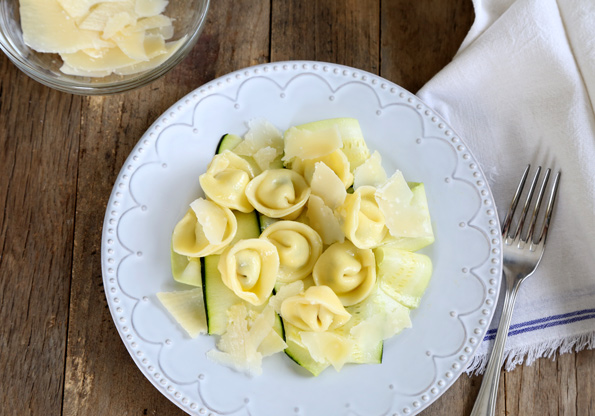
(521, 90)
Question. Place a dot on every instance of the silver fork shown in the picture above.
(522, 253)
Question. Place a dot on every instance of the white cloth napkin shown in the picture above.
(521, 90)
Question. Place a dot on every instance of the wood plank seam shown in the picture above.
(380, 38)
(72, 259)
(4, 222)
(270, 30)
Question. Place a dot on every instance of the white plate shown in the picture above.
(160, 178)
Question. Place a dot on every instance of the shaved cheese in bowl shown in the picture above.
(97, 38)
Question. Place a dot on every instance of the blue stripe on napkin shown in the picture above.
(546, 322)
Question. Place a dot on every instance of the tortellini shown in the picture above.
(336, 160)
(278, 193)
(317, 309)
(249, 268)
(362, 220)
(226, 179)
(205, 229)
(349, 271)
(298, 245)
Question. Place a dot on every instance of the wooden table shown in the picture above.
(60, 154)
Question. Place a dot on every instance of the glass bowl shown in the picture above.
(189, 17)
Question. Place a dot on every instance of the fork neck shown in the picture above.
(512, 281)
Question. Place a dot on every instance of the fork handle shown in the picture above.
(485, 404)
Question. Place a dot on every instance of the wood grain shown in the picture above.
(39, 131)
(343, 32)
(60, 154)
(420, 37)
(585, 382)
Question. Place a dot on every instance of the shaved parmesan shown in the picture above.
(370, 172)
(405, 215)
(272, 344)
(96, 38)
(100, 15)
(264, 157)
(145, 8)
(112, 58)
(48, 28)
(78, 8)
(67, 69)
(116, 23)
(354, 145)
(96, 53)
(170, 49)
(154, 46)
(233, 350)
(328, 347)
(138, 47)
(261, 327)
(261, 134)
(323, 221)
(336, 160)
(396, 189)
(115, 60)
(327, 185)
(213, 222)
(305, 144)
(284, 292)
(166, 31)
(153, 22)
(247, 340)
(188, 309)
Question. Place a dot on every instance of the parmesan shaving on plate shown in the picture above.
(209, 216)
(261, 134)
(188, 309)
(96, 38)
(327, 185)
(336, 161)
(328, 347)
(305, 144)
(265, 156)
(286, 291)
(324, 221)
(370, 172)
(246, 342)
(403, 214)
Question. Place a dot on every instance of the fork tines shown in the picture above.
(511, 234)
